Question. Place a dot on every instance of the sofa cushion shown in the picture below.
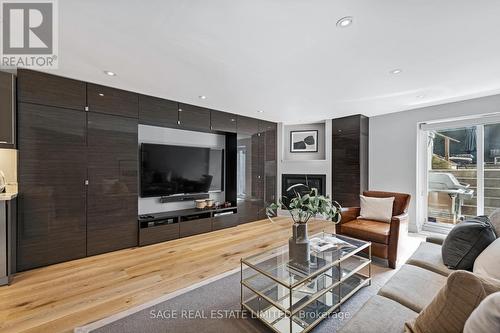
(369, 230)
(488, 262)
(428, 256)
(379, 314)
(466, 241)
(486, 317)
(378, 209)
(413, 287)
(451, 307)
(495, 221)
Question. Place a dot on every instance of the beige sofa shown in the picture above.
(402, 298)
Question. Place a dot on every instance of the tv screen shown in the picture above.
(170, 170)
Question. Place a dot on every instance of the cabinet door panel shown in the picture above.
(346, 125)
(194, 117)
(41, 88)
(223, 121)
(158, 112)
(52, 171)
(247, 125)
(270, 165)
(112, 101)
(112, 191)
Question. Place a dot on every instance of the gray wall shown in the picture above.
(170, 136)
(393, 144)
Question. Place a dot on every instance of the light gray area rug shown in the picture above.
(214, 307)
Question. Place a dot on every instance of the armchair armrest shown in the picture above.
(398, 223)
(402, 218)
(397, 235)
(349, 214)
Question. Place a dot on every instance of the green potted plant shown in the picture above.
(302, 208)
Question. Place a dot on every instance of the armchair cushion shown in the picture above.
(374, 231)
(378, 209)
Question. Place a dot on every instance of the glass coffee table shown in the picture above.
(292, 299)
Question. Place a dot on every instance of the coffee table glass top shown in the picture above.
(275, 263)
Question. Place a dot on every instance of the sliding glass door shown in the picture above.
(461, 174)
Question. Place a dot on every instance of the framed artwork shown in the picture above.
(304, 141)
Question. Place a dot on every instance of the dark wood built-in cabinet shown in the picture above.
(194, 117)
(52, 173)
(7, 110)
(223, 122)
(160, 227)
(257, 160)
(45, 89)
(350, 159)
(158, 112)
(112, 101)
(78, 168)
(113, 183)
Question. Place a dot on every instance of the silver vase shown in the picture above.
(298, 245)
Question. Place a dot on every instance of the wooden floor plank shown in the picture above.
(60, 297)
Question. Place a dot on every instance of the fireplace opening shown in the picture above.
(311, 181)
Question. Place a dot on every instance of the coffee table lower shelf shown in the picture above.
(307, 318)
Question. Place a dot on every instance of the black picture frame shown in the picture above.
(294, 150)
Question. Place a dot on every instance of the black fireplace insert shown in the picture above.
(310, 181)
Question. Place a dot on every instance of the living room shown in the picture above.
(230, 166)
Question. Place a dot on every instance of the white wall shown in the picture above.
(393, 144)
(171, 136)
(296, 163)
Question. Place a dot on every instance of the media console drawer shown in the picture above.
(195, 226)
(158, 233)
(225, 220)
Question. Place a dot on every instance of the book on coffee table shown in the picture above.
(328, 243)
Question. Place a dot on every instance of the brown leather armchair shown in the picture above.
(385, 237)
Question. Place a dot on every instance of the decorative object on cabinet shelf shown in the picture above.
(201, 203)
(210, 203)
(304, 141)
(302, 208)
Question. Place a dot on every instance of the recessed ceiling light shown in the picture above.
(202, 97)
(110, 73)
(260, 111)
(396, 71)
(344, 22)
(420, 96)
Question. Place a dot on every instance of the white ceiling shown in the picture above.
(287, 57)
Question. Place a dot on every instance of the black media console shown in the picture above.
(161, 227)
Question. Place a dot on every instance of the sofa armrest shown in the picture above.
(349, 214)
(437, 239)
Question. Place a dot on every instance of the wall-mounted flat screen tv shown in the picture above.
(174, 170)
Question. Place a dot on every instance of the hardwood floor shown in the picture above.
(60, 297)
